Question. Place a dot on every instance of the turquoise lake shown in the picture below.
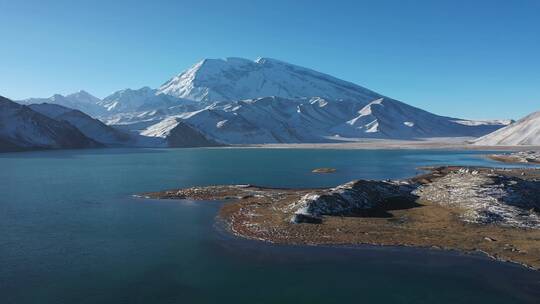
(72, 232)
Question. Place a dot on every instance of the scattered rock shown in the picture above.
(305, 218)
(324, 170)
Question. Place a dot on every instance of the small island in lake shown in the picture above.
(495, 211)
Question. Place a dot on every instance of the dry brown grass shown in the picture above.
(261, 213)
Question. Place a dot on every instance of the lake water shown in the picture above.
(71, 232)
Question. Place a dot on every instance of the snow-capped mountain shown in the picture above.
(89, 126)
(240, 101)
(525, 131)
(82, 101)
(23, 128)
(234, 79)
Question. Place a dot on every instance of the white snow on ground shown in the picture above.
(484, 198)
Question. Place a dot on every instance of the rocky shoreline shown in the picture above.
(521, 157)
(494, 211)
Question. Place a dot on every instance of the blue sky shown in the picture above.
(471, 59)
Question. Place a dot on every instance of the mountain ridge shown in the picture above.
(22, 128)
(241, 101)
(90, 127)
(525, 131)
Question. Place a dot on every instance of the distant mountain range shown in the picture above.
(22, 128)
(239, 101)
(82, 101)
(90, 127)
(52, 126)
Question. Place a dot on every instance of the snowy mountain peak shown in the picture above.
(237, 100)
(231, 79)
(80, 100)
(83, 97)
(127, 99)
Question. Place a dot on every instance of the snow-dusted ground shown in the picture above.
(481, 196)
(486, 198)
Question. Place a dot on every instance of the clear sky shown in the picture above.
(470, 59)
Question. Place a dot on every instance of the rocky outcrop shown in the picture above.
(348, 198)
(486, 197)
